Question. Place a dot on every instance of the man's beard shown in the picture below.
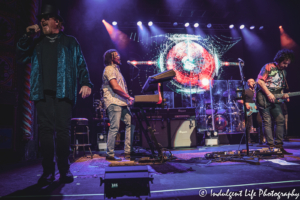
(117, 63)
(47, 31)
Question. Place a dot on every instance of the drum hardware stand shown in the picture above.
(211, 105)
(229, 94)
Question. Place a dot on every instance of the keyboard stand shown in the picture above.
(153, 144)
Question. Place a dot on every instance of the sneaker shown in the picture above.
(113, 158)
(46, 179)
(66, 177)
(285, 152)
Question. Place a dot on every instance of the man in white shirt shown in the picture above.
(116, 102)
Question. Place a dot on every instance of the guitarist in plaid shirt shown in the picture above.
(271, 80)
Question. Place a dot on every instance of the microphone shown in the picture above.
(240, 60)
(31, 32)
(128, 62)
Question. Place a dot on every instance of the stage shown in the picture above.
(181, 178)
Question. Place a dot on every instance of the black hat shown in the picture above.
(49, 11)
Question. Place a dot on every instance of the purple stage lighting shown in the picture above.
(260, 28)
(252, 27)
(231, 26)
(196, 25)
(139, 23)
(242, 26)
(150, 23)
(208, 25)
(114, 23)
(175, 24)
(186, 24)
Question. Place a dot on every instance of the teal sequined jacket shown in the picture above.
(70, 66)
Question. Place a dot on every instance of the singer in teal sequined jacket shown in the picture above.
(70, 66)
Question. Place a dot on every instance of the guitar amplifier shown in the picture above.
(174, 127)
(181, 113)
(183, 132)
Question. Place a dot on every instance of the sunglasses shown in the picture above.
(46, 17)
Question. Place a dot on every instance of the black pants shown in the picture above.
(248, 127)
(257, 124)
(54, 115)
(259, 127)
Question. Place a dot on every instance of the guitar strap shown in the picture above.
(287, 86)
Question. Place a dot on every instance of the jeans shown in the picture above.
(115, 114)
(54, 115)
(272, 110)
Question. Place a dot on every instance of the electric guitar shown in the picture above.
(252, 109)
(279, 96)
(261, 97)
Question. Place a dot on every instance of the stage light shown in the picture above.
(114, 23)
(103, 20)
(139, 23)
(231, 26)
(175, 24)
(196, 25)
(260, 28)
(242, 26)
(186, 24)
(205, 82)
(150, 23)
(209, 25)
(280, 26)
(252, 27)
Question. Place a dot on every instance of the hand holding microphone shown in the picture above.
(32, 29)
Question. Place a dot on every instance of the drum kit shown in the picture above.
(227, 115)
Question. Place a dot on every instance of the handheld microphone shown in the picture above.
(31, 32)
(240, 60)
(128, 62)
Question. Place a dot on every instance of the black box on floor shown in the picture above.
(128, 180)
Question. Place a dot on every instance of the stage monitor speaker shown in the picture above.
(127, 180)
(161, 133)
(183, 133)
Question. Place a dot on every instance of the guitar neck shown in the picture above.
(292, 94)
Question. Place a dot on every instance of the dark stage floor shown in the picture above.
(179, 179)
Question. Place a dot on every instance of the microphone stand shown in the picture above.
(244, 103)
(132, 78)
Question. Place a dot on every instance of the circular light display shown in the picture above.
(191, 62)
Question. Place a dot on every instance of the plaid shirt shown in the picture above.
(109, 96)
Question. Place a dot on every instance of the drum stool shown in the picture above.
(82, 123)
